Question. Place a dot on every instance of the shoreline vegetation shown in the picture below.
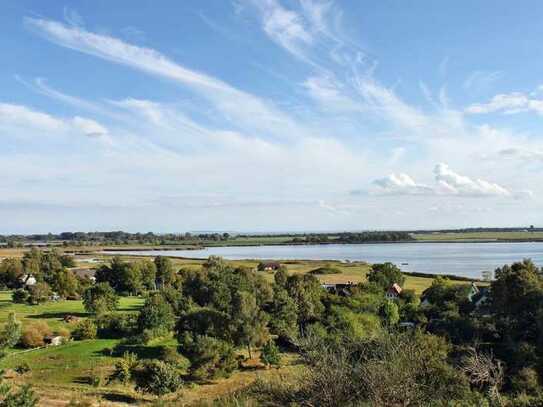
(123, 241)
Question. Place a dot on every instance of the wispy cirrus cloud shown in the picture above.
(480, 80)
(237, 106)
(22, 116)
(285, 27)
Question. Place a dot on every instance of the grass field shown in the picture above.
(479, 236)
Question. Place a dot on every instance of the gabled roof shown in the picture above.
(395, 289)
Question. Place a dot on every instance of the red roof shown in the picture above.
(395, 289)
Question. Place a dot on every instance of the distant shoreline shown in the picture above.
(170, 248)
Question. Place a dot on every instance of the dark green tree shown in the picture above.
(156, 317)
(100, 298)
(386, 274)
(165, 273)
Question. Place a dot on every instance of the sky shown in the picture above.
(270, 115)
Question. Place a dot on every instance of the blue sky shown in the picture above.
(269, 115)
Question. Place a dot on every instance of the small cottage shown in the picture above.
(55, 340)
(28, 280)
(393, 292)
(274, 266)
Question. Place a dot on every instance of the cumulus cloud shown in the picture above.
(508, 103)
(447, 182)
(400, 184)
(450, 182)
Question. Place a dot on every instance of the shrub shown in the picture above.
(325, 270)
(10, 334)
(116, 325)
(158, 378)
(22, 368)
(169, 355)
(20, 296)
(34, 334)
(85, 329)
(210, 357)
(526, 381)
(23, 397)
(65, 333)
(39, 293)
(124, 368)
(269, 354)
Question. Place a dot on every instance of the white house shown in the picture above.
(27, 280)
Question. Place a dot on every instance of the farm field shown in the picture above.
(479, 236)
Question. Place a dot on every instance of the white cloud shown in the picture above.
(240, 108)
(285, 27)
(447, 182)
(521, 154)
(452, 183)
(88, 127)
(479, 80)
(400, 184)
(18, 116)
(330, 94)
(508, 103)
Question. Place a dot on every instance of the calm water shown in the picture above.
(463, 259)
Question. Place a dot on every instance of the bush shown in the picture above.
(210, 357)
(65, 333)
(22, 368)
(269, 354)
(124, 368)
(325, 270)
(39, 293)
(170, 356)
(116, 325)
(85, 329)
(158, 378)
(34, 334)
(526, 381)
(20, 296)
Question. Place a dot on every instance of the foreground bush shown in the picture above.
(169, 355)
(269, 355)
(20, 296)
(34, 334)
(391, 370)
(158, 378)
(210, 357)
(85, 329)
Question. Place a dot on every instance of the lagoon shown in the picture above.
(461, 259)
